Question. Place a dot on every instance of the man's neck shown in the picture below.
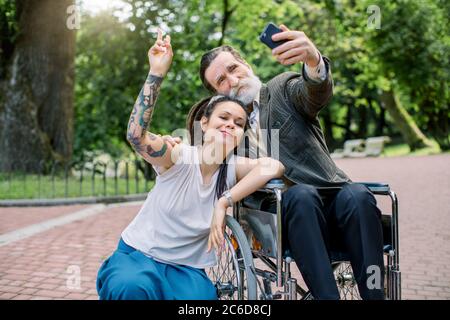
(250, 106)
(258, 96)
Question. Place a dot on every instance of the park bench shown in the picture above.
(357, 148)
(375, 146)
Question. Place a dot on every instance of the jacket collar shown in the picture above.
(264, 106)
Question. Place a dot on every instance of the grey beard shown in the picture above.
(251, 85)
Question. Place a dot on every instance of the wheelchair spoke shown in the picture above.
(229, 275)
(346, 282)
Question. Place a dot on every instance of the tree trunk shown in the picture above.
(405, 123)
(348, 122)
(226, 18)
(381, 122)
(36, 104)
(362, 123)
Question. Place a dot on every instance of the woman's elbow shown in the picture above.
(279, 169)
(133, 140)
(271, 167)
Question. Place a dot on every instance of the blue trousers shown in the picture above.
(128, 274)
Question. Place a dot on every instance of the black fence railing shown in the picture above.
(76, 179)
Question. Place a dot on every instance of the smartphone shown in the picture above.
(266, 36)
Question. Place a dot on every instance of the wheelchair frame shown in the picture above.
(281, 273)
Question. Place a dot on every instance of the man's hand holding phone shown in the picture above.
(293, 47)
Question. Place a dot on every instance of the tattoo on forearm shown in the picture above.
(141, 116)
(155, 154)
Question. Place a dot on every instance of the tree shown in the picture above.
(36, 83)
(413, 44)
(112, 64)
(109, 73)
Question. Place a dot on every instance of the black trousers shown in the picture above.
(345, 220)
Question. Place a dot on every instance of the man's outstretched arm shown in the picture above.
(314, 89)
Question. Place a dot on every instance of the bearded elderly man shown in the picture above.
(322, 209)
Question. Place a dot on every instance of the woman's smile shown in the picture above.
(226, 133)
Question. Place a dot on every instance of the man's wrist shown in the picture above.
(312, 63)
(317, 73)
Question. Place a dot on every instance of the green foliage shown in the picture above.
(108, 76)
(21, 186)
(409, 54)
(8, 32)
(414, 44)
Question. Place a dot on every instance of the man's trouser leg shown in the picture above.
(306, 232)
(358, 221)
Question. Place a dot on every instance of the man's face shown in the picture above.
(229, 76)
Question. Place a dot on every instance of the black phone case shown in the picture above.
(268, 32)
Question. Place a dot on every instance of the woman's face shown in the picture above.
(225, 127)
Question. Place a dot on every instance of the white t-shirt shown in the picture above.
(174, 223)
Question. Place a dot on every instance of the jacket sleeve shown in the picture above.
(309, 96)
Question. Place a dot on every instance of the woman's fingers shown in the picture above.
(220, 234)
(157, 49)
(167, 44)
(167, 40)
(159, 38)
(160, 44)
(212, 239)
(219, 238)
(215, 239)
(209, 243)
(171, 140)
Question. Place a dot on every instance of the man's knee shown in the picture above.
(355, 200)
(300, 199)
(301, 192)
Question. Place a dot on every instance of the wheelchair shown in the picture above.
(253, 264)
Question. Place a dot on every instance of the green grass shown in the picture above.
(398, 150)
(20, 186)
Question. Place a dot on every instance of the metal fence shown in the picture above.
(77, 179)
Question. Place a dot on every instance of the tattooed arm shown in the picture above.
(153, 148)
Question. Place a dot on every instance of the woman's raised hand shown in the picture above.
(160, 55)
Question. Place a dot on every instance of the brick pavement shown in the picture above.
(41, 266)
(15, 218)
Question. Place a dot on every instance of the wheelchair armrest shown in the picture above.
(275, 183)
(377, 187)
(262, 199)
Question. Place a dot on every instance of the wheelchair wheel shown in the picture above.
(345, 281)
(233, 275)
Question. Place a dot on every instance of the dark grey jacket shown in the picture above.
(291, 102)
